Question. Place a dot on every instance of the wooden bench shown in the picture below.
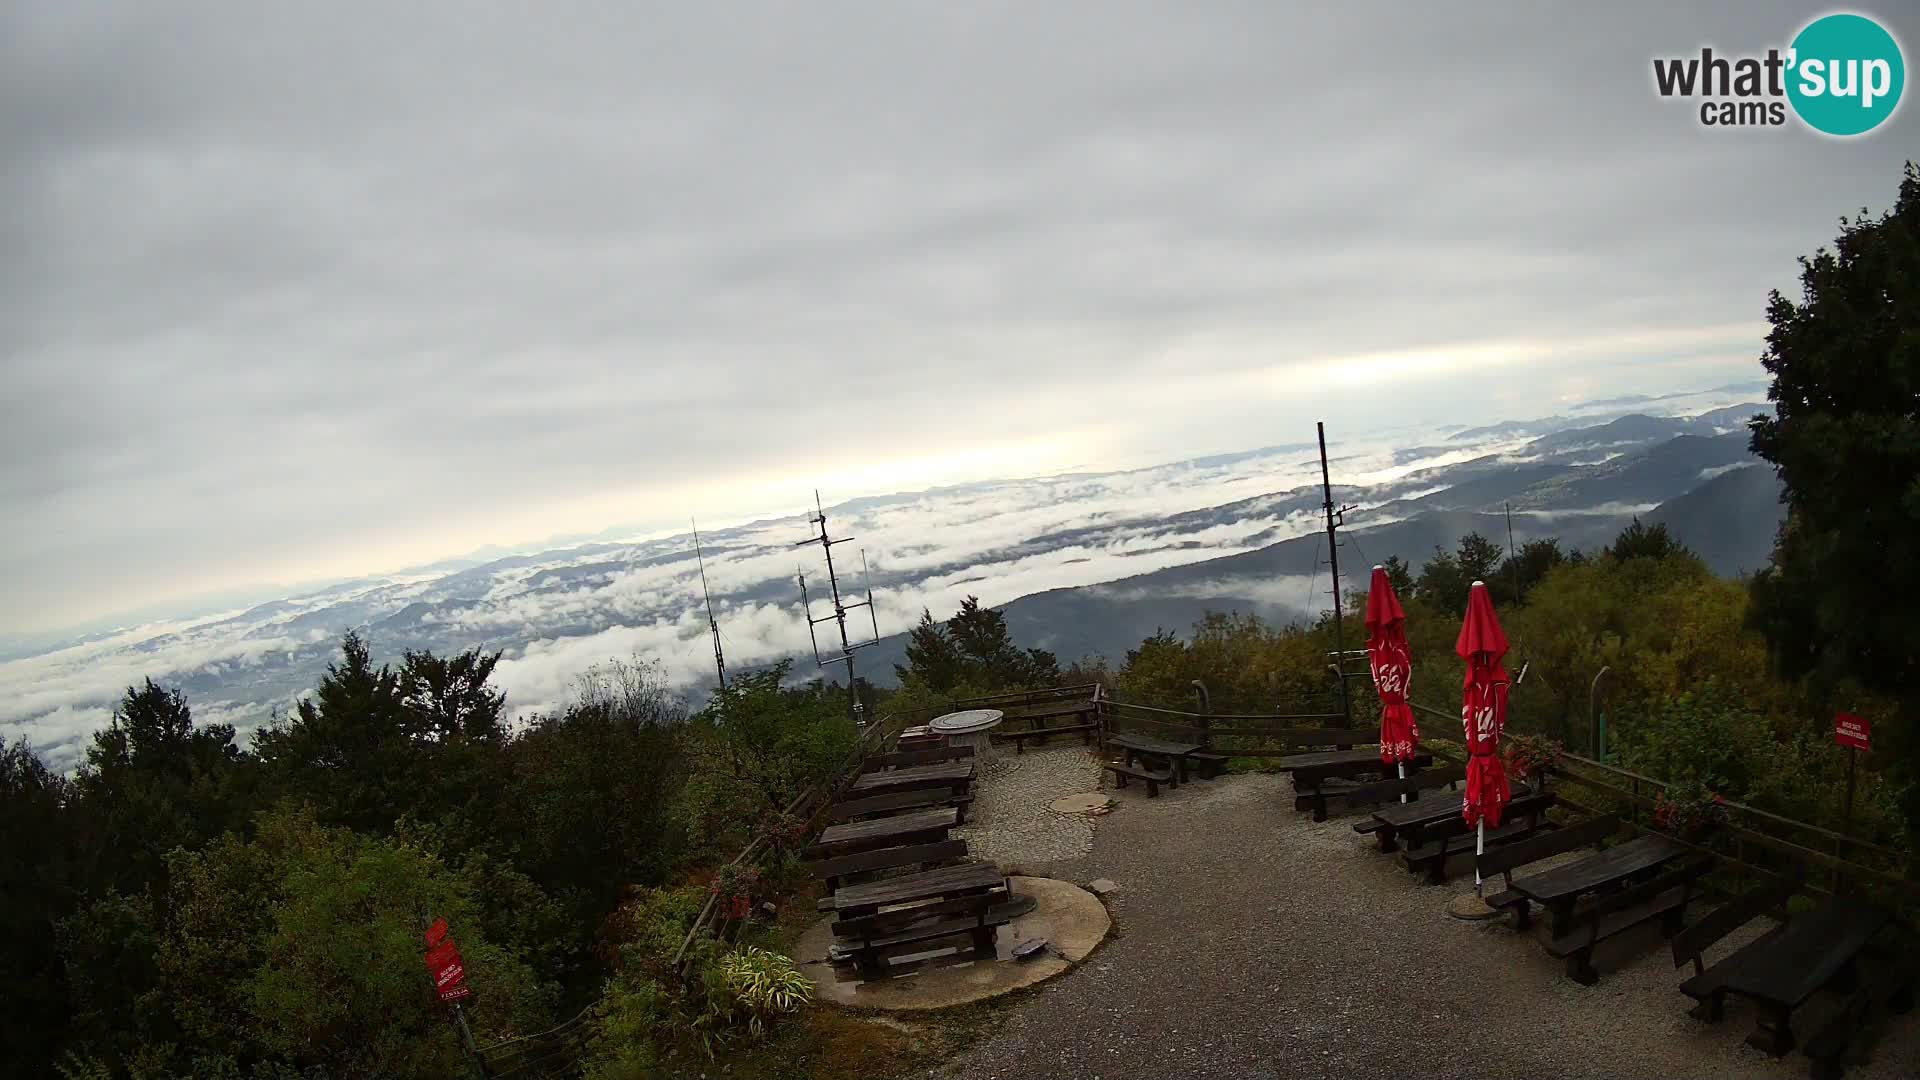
(1708, 985)
(915, 827)
(1210, 763)
(1386, 791)
(1430, 858)
(919, 737)
(1502, 860)
(904, 759)
(1816, 951)
(903, 915)
(836, 870)
(1344, 754)
(1559, 890)
(1170, 756)
(1121, 770)
(1888, 987)
(1664, 898)
(1019, 738)
(876, 805)
(954, 776)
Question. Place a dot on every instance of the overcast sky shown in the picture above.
(295, 293)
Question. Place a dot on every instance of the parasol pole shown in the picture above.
(1479, 849)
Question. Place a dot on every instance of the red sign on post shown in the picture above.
(436, 933)
(1851, 730)
(448, 970)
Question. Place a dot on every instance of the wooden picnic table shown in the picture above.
(1172, 754)
(1800, 958)
(907, 915)
(1557, 889)
(918, 827)
(854, 901)
(1410, 820)
(955, 775)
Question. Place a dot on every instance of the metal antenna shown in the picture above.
(713, 625)
(1335, 519)
(840, 608)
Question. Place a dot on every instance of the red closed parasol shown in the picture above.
(1483, 714)
(1392, 665)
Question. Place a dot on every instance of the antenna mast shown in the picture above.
(713, 625)
(1335, 519)
(838, 615)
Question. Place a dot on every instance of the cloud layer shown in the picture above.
(296, 294)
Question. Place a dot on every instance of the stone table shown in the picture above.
(969, 728)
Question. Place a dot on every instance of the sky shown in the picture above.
(293, 294)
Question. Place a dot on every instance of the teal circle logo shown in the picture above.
(1845, 74)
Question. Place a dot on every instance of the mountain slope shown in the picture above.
(1730, 520)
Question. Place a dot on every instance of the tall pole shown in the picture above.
(1333, 560)
(1513, 560)
(840, 609)
(713, 625)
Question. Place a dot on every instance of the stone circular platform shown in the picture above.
(1081, 804)
(1070, 919)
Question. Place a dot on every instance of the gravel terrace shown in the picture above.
(1250, 942)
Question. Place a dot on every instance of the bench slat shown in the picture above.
(1688, 944)
(899, 800)
(932, 755)
(1614, 922)
(889, 922)
(1559, 841)
(889, 858)
(1388, 790)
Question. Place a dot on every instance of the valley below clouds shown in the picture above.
(1138, 535)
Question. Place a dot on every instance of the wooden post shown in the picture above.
(466, 1041)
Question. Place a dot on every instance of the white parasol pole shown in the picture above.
(1479, 849)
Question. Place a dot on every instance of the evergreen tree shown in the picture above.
(1836, 603)
(345, 750)
(1639, 541)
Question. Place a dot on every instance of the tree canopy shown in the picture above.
(1837, 602)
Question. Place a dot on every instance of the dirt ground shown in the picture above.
(1251, 942)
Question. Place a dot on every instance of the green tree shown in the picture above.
(1399, 576)
(37, 889)
(346, 749)
(756, 747)
(932, 657)
(1448, 577)
(594, 788)
(1845, 438)
(1638, 541)
(152, 781)
(303, 947)
(1524, 569)
(975, 649)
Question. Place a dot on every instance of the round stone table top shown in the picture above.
(966, 723)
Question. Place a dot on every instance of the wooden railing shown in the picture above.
(809, 806)
(1205, 727)
(555, 1052)
(1762, 842)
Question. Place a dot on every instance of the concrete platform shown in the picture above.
(1071, 919)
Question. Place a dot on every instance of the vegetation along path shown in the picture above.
(1253, 943)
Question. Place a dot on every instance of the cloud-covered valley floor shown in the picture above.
(555, 613)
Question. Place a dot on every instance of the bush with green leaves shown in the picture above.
(748, 989)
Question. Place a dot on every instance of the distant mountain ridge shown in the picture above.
(1140, 549)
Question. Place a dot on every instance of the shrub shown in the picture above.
(751, 988)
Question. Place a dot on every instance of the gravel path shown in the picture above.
(1009, 821)
(1253, 943)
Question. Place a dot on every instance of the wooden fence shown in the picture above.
(1751, 844)
(809, 806)
(1233, 734)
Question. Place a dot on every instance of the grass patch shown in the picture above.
(828, 1043)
